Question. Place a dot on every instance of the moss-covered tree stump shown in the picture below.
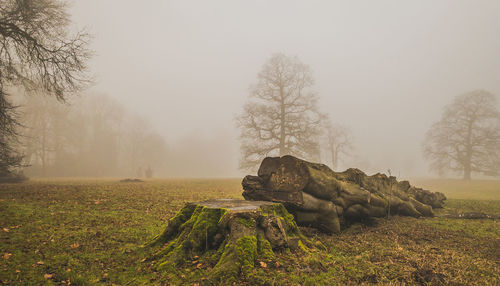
(234, 235)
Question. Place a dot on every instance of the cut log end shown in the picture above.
(235, 205)
(232, 235)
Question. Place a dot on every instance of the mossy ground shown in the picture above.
(91, 232)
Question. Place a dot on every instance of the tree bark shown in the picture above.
(322, 198)
(467, 171)
(232, 235)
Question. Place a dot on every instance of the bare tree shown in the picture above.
(42, 137)
(338, 142)
(467, 138)
(36, 53)
(283, 117)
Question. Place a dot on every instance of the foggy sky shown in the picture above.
(383, 68)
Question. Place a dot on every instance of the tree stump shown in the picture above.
(322, 198)
(233, 235)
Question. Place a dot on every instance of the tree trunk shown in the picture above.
(282, 125)
(468, 153)
(231, 235)
(322, 198)
(467, 174)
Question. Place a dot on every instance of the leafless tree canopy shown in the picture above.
(37, 53)
(467, 138)
(283, 117)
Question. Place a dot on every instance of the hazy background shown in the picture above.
(383, 68)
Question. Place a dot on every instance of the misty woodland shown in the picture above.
(249, 142)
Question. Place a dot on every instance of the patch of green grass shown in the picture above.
(487, 228)
(459, 206)
(91, 232)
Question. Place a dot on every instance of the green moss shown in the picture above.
(264, 249)
(287, 219)
(170, 261)
(246, 221)
(204, 228)
(227, 268)
(246, 248)
(238, 257)
(174, 224)
(195, 235)
(302, 246)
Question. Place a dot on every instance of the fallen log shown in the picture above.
(233, 235)
(322, 198)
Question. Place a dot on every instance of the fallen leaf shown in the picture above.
(199, 265)
(194, 262)
(18, 271)
(47, 276)
(75, 245)
(263, 264)
(68, 270)
(5, 229)
(7, 255)
(40, 262)
(96, 202)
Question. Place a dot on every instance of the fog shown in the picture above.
(385, 69)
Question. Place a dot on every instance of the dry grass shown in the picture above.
(460, 189)
(90, 232)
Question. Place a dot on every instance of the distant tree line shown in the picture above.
(92, 136)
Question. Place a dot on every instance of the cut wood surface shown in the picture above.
(322, 198)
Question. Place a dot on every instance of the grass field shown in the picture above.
(86, 232)
(460, 189)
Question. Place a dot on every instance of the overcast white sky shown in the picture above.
(383, 68)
